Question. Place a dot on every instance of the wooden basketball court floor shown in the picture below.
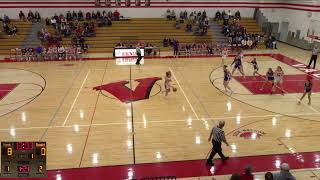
(56, 102)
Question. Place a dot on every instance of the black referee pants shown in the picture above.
(314, 60)
(216, 148)
(139, 58)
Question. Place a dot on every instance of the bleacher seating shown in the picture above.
(146, 30)
(250, 24)
(11, 42)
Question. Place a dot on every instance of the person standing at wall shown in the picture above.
(217, 136)
(314, 57)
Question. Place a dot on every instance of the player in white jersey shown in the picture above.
(224, 55)
(167, 84)
(278, 79)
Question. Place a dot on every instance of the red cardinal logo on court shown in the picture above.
(125, 94)
(249, 134)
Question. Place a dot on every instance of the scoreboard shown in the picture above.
(23, 159)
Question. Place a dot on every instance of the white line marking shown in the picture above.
(184, 94)
(74, 102)
(163, 121)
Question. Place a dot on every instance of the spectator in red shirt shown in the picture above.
(116, 15)
(247, 174)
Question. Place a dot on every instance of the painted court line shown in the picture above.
(184, 94)
(71, 108)
(181, 120)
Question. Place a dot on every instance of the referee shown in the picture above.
(138, 52)
(217, 136)
(314, 57)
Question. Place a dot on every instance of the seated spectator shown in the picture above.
(165, 41)
(189, 27)
(116, 15)
(80, 16)
(98, 14)
(14, 30)
(218, 16)
(226, 18)
(22, 17)
(88, 16)
(37, 16)
(39, 52)
(173, 15)
(30, 16)
(53, 22)
(148, 48)
(206, 21)
(181, 15)
(69, 16)
(74, 15)
(61, 52)
(6, 19)
(110, 15)
(185, 14)
(237, 15)
(229, 13)
(85, 48)
(268, 176)
(177, 25)
(235, 176)
(274, 42)
(247, 174)
(168, 14)
(284, 173)
(48, 21)
(93, 15)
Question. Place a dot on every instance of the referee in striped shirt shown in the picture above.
(217, 136)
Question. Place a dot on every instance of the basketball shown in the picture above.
(174, 89)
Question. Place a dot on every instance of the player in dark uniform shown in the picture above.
(226, 78)
(269, 78)
(255, 66)
(307, 90)
(238, 64)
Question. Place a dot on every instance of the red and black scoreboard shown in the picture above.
(23, 159)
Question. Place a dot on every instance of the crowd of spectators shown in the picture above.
(47, 53)
(210, 48)
(149, 48)
(196, 22)
(77, 26)
(283, 174)
(8, 28)
(32, 17)
(236, 33)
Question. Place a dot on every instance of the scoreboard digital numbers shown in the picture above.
(23, 159)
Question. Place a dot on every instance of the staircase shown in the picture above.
(216, 32)
(32, 40)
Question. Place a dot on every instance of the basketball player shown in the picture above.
(269, 78)
(307, 90)
(167, 84)
(278, 79)
(226, 78)
(255, 66)
(138, 52)
(224, 54)
(238, 64)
